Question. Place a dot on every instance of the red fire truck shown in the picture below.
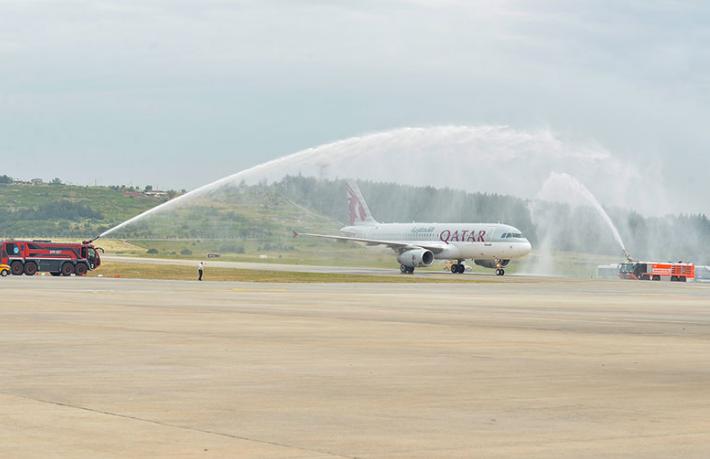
(57, 258)
(675, 272)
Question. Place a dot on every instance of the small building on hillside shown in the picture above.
(156, 193)
(36, 181)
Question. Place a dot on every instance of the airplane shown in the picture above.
(491, 245)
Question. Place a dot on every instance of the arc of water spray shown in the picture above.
(314, 151)
(563, 187)
(203, 190)
(435, 149)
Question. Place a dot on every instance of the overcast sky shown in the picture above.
(177, 93)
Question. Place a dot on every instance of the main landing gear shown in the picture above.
(500, 272)
(458, 268)
(404, 269)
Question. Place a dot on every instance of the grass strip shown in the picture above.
(179, 272)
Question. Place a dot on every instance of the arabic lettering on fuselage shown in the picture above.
(462, 236)
(423, 229)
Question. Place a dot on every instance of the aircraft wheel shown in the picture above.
(403, 269)
(454, 269)
(410, 270)
(462, 268)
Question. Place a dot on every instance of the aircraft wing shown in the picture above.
(399, 246)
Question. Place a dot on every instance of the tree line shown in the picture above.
(267, 212)
(557, 226)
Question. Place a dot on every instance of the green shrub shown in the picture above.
(231, 248)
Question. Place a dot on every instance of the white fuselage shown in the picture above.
(479, 241)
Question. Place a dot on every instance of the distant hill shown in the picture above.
(266, 214)
(63, 210)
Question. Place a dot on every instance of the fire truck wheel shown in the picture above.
(81, 269)
(17, 268)
(30, 268)
(67, 269)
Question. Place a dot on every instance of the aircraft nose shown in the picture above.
(526, 248)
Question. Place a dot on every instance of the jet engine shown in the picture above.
(415, 258)
(492, 263)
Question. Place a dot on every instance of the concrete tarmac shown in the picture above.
(554, 368)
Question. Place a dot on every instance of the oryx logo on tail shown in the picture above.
(358, 210)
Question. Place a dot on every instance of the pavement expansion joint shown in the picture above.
(181, 427)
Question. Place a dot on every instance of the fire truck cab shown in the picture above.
(59, 259)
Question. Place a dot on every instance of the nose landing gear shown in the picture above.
(500, 272)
